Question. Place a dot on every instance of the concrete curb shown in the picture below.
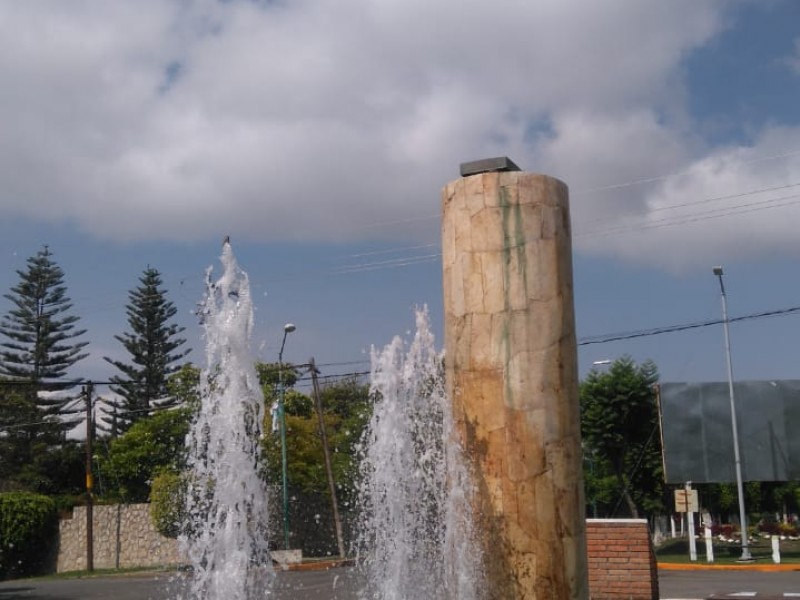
(318, 565)
(309, 565)
(710, 567)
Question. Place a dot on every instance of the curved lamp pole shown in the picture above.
(746, 556)
(287, 329)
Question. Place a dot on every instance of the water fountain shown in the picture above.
(512, 386)
(226, 539)
(416, 537)
(416, 532)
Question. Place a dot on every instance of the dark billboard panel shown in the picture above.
(697, 435)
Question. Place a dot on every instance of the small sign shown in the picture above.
(686, 501)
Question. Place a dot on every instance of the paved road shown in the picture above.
(336, 584)
(341, 584)
(703, 584)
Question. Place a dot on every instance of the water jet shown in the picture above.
(226, 537)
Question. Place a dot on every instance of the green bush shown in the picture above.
(151, 445)
(28, 524)
(167, 502)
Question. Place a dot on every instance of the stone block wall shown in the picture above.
(124, 536)
(622, 563)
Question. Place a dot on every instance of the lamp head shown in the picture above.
(289, 328)
(718, 271)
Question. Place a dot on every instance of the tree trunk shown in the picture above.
(623, 485)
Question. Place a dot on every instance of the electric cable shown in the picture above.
(614, 337)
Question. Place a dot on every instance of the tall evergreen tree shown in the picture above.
(153, 345)
(41, 339)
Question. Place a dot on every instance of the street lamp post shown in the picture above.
(287, 329)
(746, 556)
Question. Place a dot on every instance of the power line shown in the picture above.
(616, 186)
(411, 260)
(700, 216)
(600, 339)
(614, 337)
(727, 211)
(693, 203)
(613, 186)
(336, 376)
(727, 197)
(386, 264)
(33, 424)
(344, 363)
(691, 217)
(585, 341)
(393, 250)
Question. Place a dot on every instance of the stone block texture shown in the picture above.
(513, 380)
(124, 536)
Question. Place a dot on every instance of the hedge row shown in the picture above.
(28, 526)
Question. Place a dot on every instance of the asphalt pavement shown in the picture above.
(341, 583)
(333, 584)
(723, 583)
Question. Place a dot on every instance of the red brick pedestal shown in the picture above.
(622, 563)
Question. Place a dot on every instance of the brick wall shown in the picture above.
(622, 563)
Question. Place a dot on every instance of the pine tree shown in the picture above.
(40, 337)
(152, 344)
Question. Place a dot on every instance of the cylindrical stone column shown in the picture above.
(512, 377)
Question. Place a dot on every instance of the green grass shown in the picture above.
(677, 551)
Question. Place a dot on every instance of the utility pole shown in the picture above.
(88, 392)
(326, 453)
(746, 556)
(287, 329)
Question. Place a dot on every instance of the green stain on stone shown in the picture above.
(513, 251)
(514, 242)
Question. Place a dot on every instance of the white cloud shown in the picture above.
(735, 202)
(312, 120)
(590, 150)
(793, 60)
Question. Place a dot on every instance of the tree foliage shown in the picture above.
(346, 410)
(183, 386)
(40, 333)
(151, 445)
(41, 341)
(34, 456)
(28, 524)
(153, 344)
(619, 425)
(270, 374)
(168, 503)
(19, 441)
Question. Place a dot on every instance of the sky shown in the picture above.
(318, 136)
